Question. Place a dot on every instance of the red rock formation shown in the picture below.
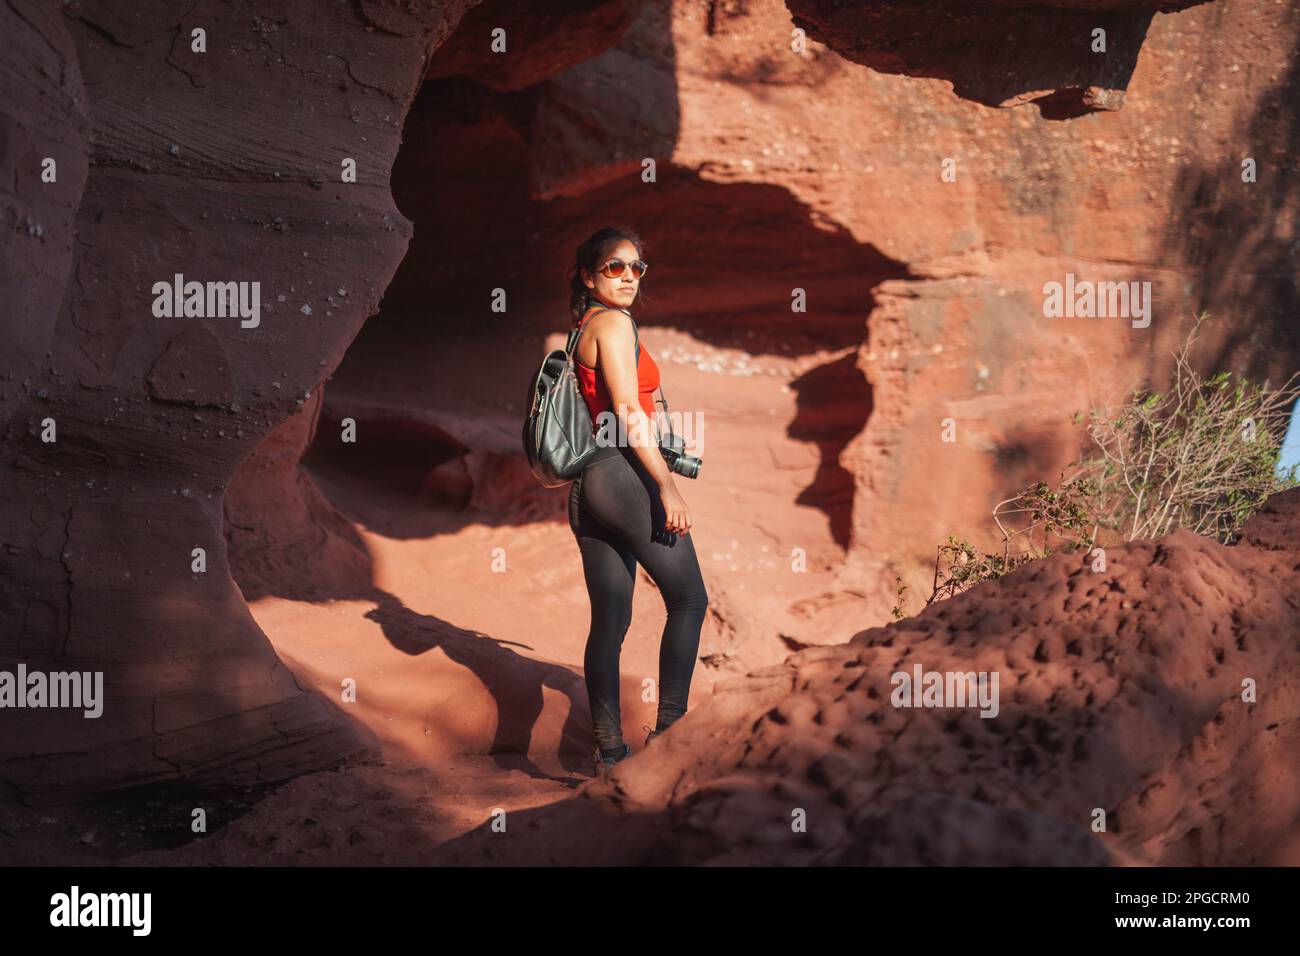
(41, 80)
(282, 535)
(537, 42)
(1115, 688)
(221, 165)
(1001, 53)
(777, 172)
(1123, 691)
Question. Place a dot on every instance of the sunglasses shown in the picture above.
(614, 268)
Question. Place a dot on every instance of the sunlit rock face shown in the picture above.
(1067, 56)
(850, 247)
(919, 232)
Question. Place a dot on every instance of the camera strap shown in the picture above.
(660, 387)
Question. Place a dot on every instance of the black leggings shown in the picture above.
(617, 516)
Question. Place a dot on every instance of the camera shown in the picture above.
(673, 448)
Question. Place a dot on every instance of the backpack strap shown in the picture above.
(577, 333)
(636, 338)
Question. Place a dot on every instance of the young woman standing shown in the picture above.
(624, 507)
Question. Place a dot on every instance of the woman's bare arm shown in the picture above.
(616, 356)
(615, 348)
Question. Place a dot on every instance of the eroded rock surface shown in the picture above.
(1069, 57)
(221, 165)
(1145, 714)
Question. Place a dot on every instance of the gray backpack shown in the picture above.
(558, 430)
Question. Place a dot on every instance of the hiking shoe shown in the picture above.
(603, 763)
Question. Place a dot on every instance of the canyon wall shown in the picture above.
(1118, 691)
(919, 222)
(1068, 57)
(1143, 715)
(918, 201)
(217, 156)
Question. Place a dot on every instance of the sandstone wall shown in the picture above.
(222, 165)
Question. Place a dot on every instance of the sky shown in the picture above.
(1291, 444)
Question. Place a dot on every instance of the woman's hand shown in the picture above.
(678, 515)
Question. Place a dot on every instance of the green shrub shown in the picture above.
(1060, 520)
(1202, 455)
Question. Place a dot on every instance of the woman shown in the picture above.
(624, 507)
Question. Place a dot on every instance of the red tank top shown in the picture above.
(596, 392)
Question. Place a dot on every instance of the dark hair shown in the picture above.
(588, 257)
